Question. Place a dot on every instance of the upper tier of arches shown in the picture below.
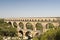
(44, 19)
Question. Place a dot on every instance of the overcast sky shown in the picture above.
(29, 8)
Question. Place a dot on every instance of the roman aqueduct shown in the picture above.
(33, 21)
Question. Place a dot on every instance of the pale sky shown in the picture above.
(29, 8)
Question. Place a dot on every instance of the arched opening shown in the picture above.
(42, 20)
(9, 23)
(27, 33)
(21, 25)
(45, 19)
(39, 26)
(35, 20)
(49, 20)
(29, 26)
(38, 20)
(49, 25)
(15, 24)
(21, 32)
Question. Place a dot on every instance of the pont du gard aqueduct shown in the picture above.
(30, 24)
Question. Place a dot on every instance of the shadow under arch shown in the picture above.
(21, 25)
(21, 32)
(27, 33)
(37, 34)
(9, 23)
(15, 24)
(29, 26)
(49, 25)
(39, 26)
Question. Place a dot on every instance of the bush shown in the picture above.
(1, 38)
(5, 30)
(51, 35)
(35, 38)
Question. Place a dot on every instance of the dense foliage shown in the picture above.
(39, 26)
(49, 25)
(29, 26)
(6, 29)
(52, 34)
(35, 38)
(1, 38)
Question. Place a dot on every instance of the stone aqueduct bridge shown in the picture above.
(33, 20)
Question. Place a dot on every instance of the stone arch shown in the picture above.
(15, 24)
(21, 25)
(49, 19)
(42, 20)
(29, 26)
(54, 20)
(49, 25)
(39, 26)
(27, 33)
(45, 19)
(9, 23)
(23, 19)
(21, 32)
(38, 20)
(30, 20)
(27, 19)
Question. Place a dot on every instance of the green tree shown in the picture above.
(39, 27)
(21, 25)
(52, 34)
(29, 26)
(35, 38)
(49, 25)
(1, 38)
(7, 31)
(49, 35)
(57, 37)
(1, 20)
